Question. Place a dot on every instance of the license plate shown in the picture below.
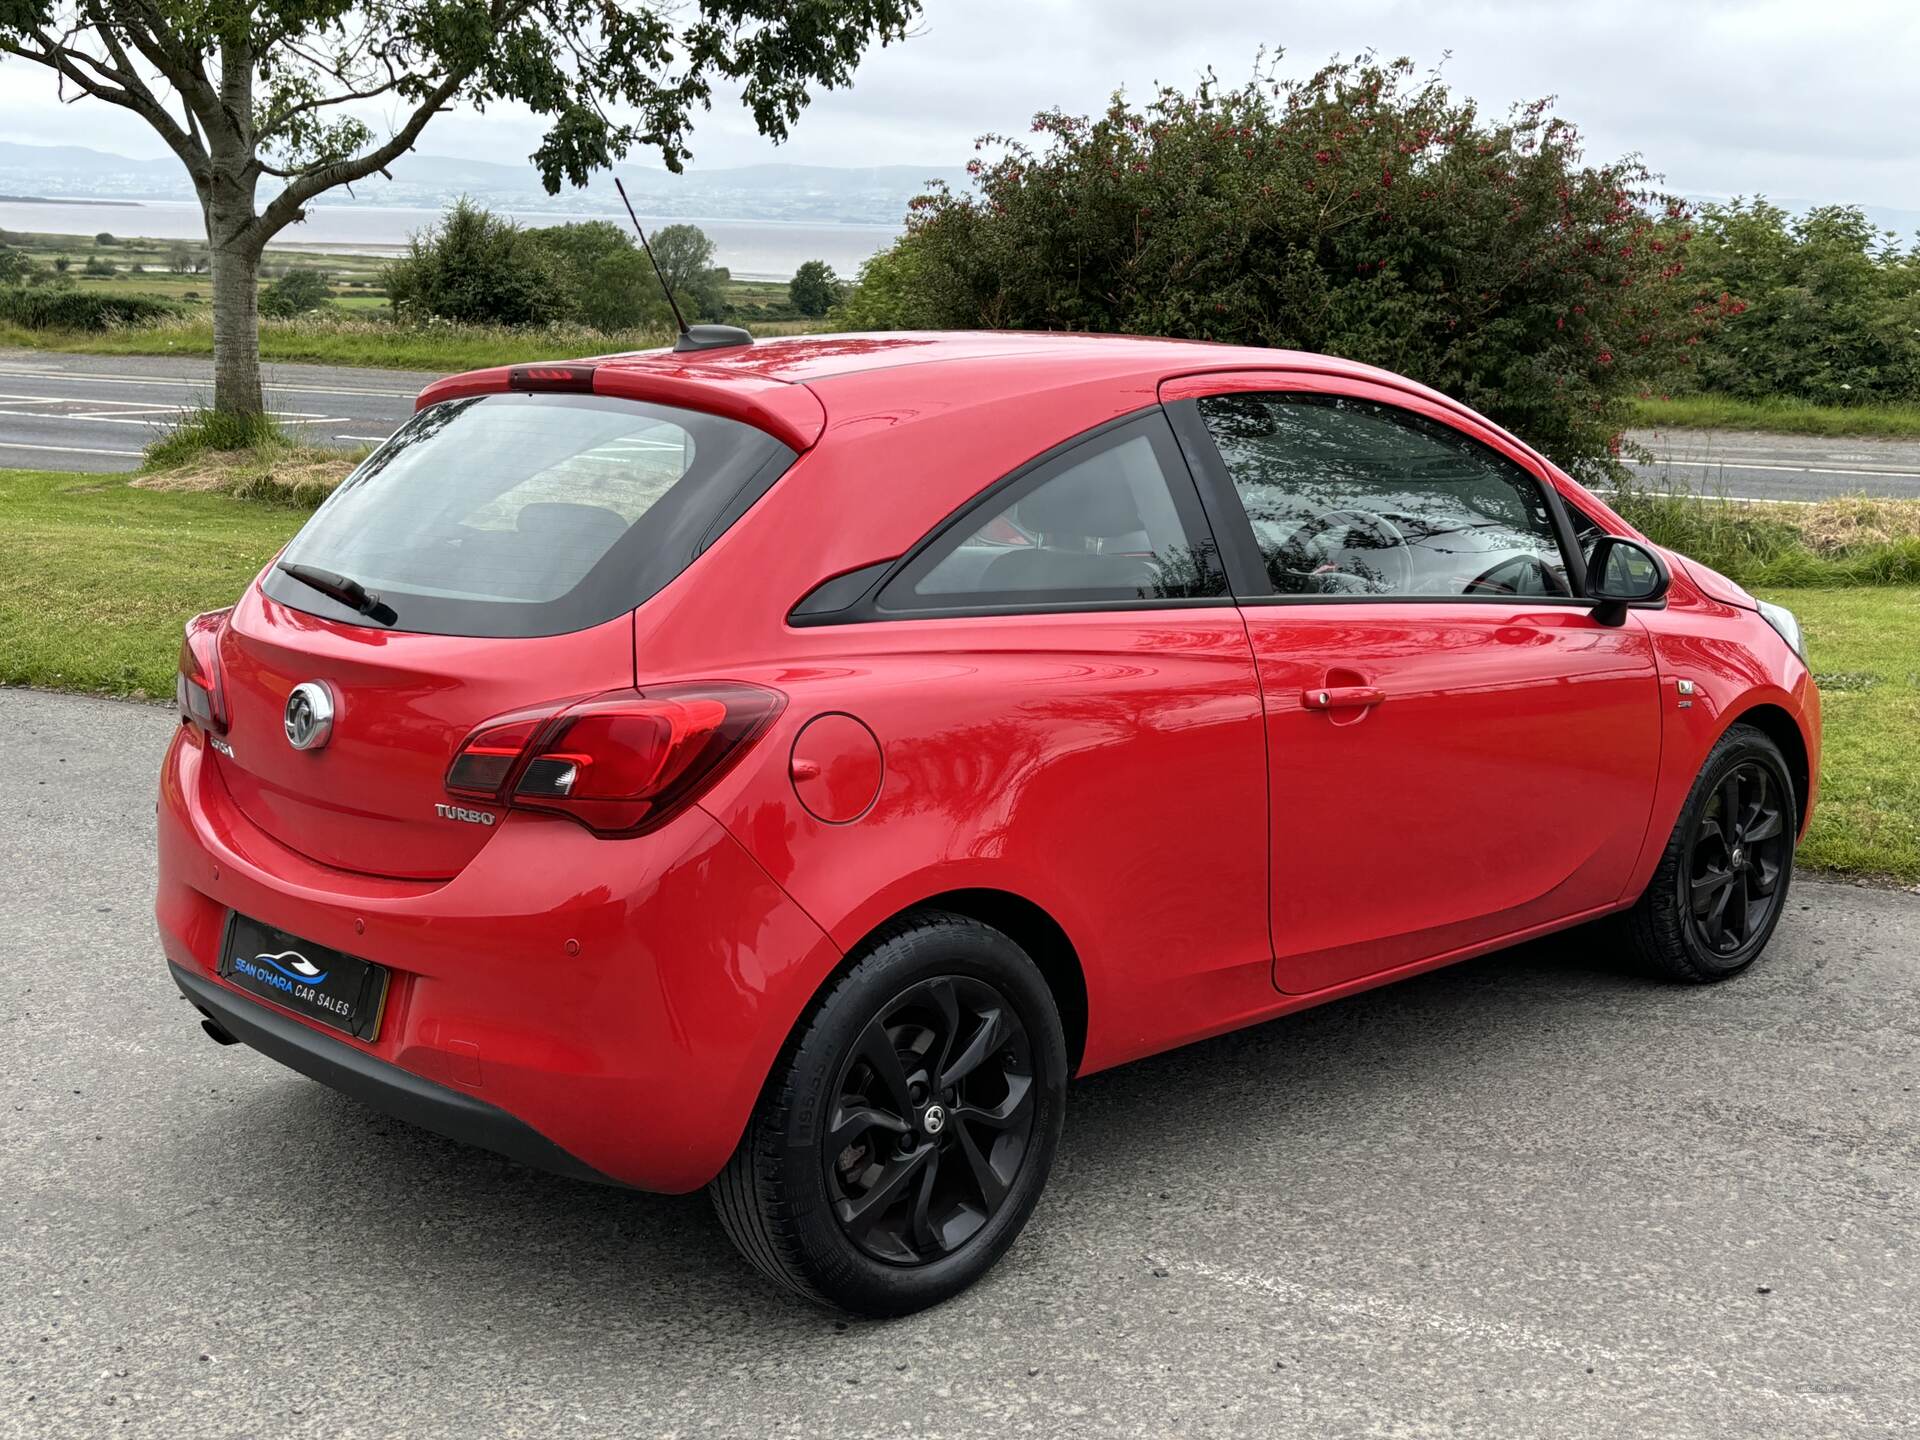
(340, 991)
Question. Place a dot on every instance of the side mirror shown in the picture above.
(1622, 572)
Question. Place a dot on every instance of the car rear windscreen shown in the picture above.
(529, 514)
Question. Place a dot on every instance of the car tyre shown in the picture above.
(1721, 884)
(908, 1127)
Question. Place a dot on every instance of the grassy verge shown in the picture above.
(347, 339)
(97, 576)
(1864, 645)
(1848, 541)
(1779, 417)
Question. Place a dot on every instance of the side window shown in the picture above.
(1114, 519)
(1586, 530)
(1349, 497)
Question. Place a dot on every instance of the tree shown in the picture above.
(479, 268)
(16, 266)
(246, 90)
(179, 259)
(685, 256)
(1361, 211)
(814, 288)
(1828, 306)
(296, 292)
(611, 285)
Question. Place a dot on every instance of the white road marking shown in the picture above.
(1782, 469)
(67, 449)
(372, 439)
(293, 417)
(198, 382)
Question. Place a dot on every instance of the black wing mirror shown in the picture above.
(1622, 572)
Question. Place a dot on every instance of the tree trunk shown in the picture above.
(236, 327)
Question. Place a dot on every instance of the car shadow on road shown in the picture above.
(466, 1232)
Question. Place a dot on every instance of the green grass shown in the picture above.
(97, 577)
(1779, 417)
(1847, 541)
(355, 339)
(1864, 646)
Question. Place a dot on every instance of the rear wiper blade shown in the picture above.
(343, 588)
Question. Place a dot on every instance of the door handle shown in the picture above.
(1341, 697)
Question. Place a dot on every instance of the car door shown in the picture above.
(1458, 751)
(1061, 682)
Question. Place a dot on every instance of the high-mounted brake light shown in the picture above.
(619, 763)
(198, 689)
(576, 379)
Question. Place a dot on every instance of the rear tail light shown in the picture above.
(198, 689)
(619, 763)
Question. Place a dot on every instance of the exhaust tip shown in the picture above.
(216, 1034)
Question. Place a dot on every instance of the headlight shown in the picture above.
(1782, 620)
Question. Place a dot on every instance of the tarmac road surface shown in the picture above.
(1528, 1196)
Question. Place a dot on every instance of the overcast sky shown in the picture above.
(1815, 102)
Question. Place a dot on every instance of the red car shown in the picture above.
(779, 767)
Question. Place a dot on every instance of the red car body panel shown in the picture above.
(1146, 779)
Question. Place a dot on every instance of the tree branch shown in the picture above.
(127, 90)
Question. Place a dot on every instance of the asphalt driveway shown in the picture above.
(1528, 1196)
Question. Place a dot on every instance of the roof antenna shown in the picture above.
(692, 337)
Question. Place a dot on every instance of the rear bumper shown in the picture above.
(599, 1007)
(387, 1088)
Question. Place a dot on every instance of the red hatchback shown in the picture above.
(781, 767)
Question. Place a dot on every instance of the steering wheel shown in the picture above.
(1323, 547)
(1512, 576)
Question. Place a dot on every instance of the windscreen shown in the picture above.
(528, 514)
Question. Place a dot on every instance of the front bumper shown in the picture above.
(600, 1007)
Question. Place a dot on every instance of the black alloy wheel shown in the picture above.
(931, 1120)
(1741, 846)
(907, 1130)
(1720, 885)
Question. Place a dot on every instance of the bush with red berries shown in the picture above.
(1363, 211)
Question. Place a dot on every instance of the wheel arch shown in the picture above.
(1030, 927)
(1778, 725)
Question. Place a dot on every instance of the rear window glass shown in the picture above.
(510, 515)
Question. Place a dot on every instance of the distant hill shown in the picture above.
(821, 194)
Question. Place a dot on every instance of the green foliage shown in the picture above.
(608, 283)
(814, 288)
(1776, 416)
(893, 293)
(105, 238)
(96, 265)
(685, 256)
(477, 267)
(1767, 547)
(16, 266)
(43, 308)
(201, 431)
(1821, 307)
(1360, 212)
(62, 263)
(295, 293)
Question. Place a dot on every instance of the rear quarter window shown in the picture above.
(518, 515)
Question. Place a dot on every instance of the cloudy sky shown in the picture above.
(1813, 102)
